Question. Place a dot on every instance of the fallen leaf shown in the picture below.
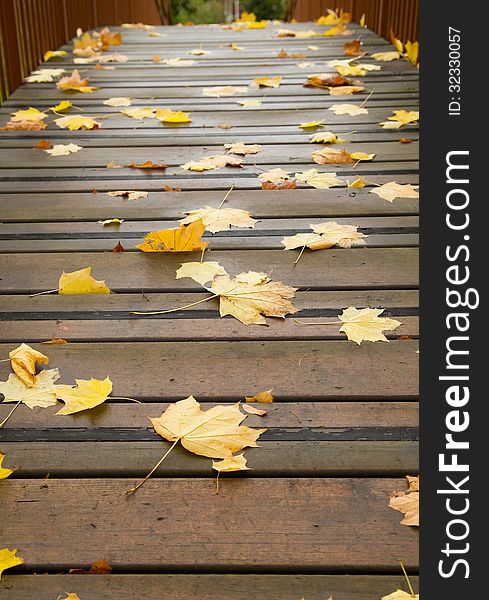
(118, 101)
(4, 473)
(313, 48)
(365, 324)
(55, 342)
(225, 125)
(81, 282)
(28, 114)
(358, 183)
(42, 393)
(43, 145)
(129, 194)
(24, 126)
(254, 411)
(311, 124)
(114, 57)
(147, 165)
(274, 175)
(228, 465)
(209, 163)
(346, 90)
(201, 272)
(63, 149)
(75, 122)
(99, 567)
(87, 394)
(250, 103)
(62, 106)
(406, 141)
(305, 65)
(285, 185)
(215, 433)
(220, 219)
(178, 62)
(326, 235)
(198, 52)
(362, 156)
(330, 156)
(400, 118)
(359, 70)
(118, 247)
(400, 595)
(111, 222)
(269, 82)
(187, 238)
(54, 54)
(392, 190)
(265, 397)
(398, 45)
(156, 58)
(23, 360)
(348, 109)
(353, 48)
(169, 188)
(325, 137)
(166, 115)
(8, 559)
(328, 81)
(223, 90)
(242, 148)
(320, 181)
(386, 56)
(44, 75)
(75, 83)
(412, 52)
(139, 113)
(408, 502)
(70, 596)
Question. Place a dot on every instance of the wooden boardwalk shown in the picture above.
(311, 518)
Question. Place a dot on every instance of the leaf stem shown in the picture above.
(141, 483)
(367, 98)
(300, 254)
(226, 197)
(413, 595)
(46, 292)
(170, 310)
(319, 323)
(125, 398)
(10, 414)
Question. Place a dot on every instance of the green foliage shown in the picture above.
(197, 11)
(265, 9)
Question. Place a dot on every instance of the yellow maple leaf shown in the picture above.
(386, 56)
(223, 90)
(320, 181)
(28, 114)
(400, 118)
(41, 393)
(4, 473)
(346, 90)
(412, 52)
(129, 194)
(75, 83)
(111, 222)
(400, 595)
(201, 272)
(166, 115)
(139, 113)
(242, 148)
(62, 106)
(358, 183)
(331, 156)
(311, 124)
(54, 54)
(23, 360)
(86, 41)
(271, 82)
(71, 596)
(246, 17)
(229, 465)
(407, 502)
(210, 163)
(234, 46)
(392, 190)
(366, 324)
(81, 282)
(348, 109)
(44, 75)
(8, 559)
(356, 70)
(63, 149)
(88, 393)
(326, 235)
(261, 397)
(220, 219)
(215, 433)
(325, 137)
(118, 101)
(75, 122)
(277, 175)
(361, 156)
(187, 238)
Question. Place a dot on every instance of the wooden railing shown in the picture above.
(382, 16)
(28, 28)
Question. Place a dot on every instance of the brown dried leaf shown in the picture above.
(254, 411)
(286, 185)
(265, 397)
(147, 165)
(330, 156)
(353, 48)
(55, 341)
(408, 502)
(118, 247)
(43, 145)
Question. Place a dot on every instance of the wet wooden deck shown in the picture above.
(311, 518)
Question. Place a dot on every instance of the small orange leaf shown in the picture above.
(147, 165)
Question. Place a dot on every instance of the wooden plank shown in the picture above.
(273, 459)
(352, 268)
(182, 523)
(204, 587)
(312, 370)
(311, 303)
(168, 330)
(80, 206)
(294, 416)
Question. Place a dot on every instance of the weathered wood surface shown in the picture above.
(342, 432)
